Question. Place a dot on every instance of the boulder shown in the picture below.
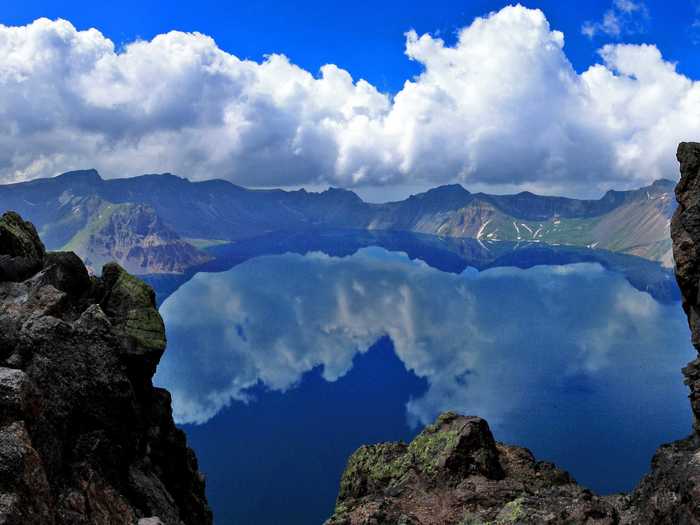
(21, 250)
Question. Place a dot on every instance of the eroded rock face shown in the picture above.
(84, 436)
(454, 473)
(685, 231)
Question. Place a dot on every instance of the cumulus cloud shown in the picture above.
(501, 107)
(271, 320)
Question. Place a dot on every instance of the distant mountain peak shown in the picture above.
(167, 175)
(342, 193)
(442, 192)
(449, 188)
(90, 175)
(658, 185)
(665, 184)
(528, 193)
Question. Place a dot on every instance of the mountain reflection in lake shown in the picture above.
(281, 366)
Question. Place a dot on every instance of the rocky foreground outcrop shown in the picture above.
(455, 473)
(85, 438)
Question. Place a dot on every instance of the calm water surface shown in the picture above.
(283, 364)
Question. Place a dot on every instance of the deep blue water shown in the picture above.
(281, 364)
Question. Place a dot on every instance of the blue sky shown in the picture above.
(363, 37)
(386, 98)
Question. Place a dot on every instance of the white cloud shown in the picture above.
(629, 6)
(501, 107)
(623, 18)
(694, 28)
(271, 320)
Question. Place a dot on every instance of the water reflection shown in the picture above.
(488, 343)
(448, 254)
(571, 361)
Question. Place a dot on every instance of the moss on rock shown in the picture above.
(21, 251)
(130, 304)
(451, 447)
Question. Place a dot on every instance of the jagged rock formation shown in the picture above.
(454, 473)
(685, 229)
(84, 436)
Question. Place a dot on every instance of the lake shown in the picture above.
(288, 352)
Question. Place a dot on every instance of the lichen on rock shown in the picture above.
(454, 472)
(131, 304)
(21, 251)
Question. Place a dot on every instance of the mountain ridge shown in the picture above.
(631, 221)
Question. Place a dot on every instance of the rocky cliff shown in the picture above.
(84, 436)
(455, 473)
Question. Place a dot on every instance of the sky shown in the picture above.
(386, 98)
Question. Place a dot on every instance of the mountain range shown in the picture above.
(159, 223)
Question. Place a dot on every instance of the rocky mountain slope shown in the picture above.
(71, 214)
(455, 473)
(84, 436)
(633, 222)
(136, 238)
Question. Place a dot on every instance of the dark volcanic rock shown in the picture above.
(84, 436)
(454, 473)
(685, 231)
(21, 251)
(670, 493)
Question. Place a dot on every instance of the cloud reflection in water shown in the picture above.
(500, 342)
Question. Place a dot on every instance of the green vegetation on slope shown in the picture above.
(95, 224)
